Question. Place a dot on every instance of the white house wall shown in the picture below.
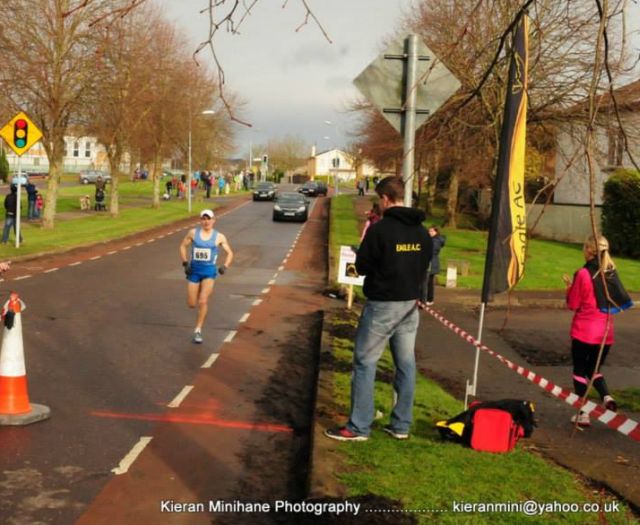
(573, 186)
(88, 155)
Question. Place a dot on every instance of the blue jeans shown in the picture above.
(9, 222)
(395, 322)
(31, 210)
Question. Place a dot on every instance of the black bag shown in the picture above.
(620, 299)
(460, 428)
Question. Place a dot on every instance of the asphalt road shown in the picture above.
(111, 337)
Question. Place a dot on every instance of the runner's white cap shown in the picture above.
(207, 213)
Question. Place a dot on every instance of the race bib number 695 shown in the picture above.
(202, 254)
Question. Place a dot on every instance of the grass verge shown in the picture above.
(546, 261)
(428, 476)
(74, 228)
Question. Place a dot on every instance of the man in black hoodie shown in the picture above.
(394, 257)
(10, 207)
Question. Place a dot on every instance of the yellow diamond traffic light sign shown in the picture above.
(20, 133)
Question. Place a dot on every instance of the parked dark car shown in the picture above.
(313, 188)
(291, 206)
(265, 191)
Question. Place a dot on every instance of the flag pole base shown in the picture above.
(470, 390)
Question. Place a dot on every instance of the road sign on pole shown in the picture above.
(20, 133)
(407, 84)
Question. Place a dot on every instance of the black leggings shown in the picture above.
(584, 367)
(430, 288)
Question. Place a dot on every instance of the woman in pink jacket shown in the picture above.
(592, 323)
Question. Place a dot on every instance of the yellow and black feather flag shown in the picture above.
(504, 264)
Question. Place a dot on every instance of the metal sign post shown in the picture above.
(409, 120)
(407, 84)
(18, 201)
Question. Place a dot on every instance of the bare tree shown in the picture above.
(287, 153)
(117, 106)
(49, 61)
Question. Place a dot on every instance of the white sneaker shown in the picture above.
(197, 337)
(582, 419)
(610, 403)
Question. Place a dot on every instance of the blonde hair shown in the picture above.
(600, 245)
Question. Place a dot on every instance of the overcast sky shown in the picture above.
(294, 81)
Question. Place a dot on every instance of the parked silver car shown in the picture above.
(90, 176)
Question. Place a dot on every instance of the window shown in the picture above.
(615, 148)
(87, 149)
(76, 149)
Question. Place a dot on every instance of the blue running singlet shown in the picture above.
(203, 257)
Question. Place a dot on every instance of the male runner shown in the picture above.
(200, 267)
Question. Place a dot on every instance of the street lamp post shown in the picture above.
(189, 175)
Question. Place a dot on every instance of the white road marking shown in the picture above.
(126, 248)
(76, 263)
(256, 302)
(22, 277)
(244, 318)
(266, 290)
(112, 252)
(139, 244)
(180, 397)
(209, 362)
(280, 268)
(133, 454)
(272, 281)
(230, 336)
(150, 240)
(95, 257)
(51, 270)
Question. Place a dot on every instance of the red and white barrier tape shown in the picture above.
(622, 424)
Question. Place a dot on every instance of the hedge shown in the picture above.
(621, 213)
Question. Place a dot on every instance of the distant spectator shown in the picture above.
(434, 269)
(221, 184)
(31, 200)
(207, 183)
(100, 183)
(373, 216)
(39, 204)
(361, 188)
(99, 200)
(10, 206)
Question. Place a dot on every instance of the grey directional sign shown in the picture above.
(381, 83)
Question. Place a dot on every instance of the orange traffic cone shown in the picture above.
(15, 408)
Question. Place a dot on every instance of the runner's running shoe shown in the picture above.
(197, 337)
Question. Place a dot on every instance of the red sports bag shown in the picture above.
(494, 430)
